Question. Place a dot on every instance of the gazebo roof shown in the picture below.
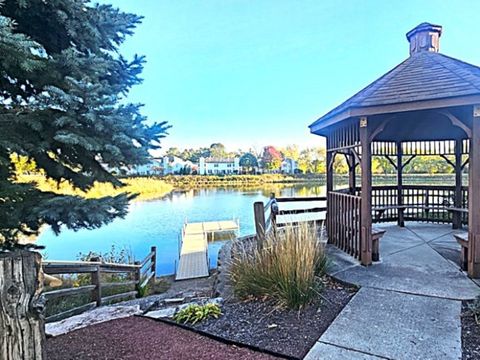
(424, 80)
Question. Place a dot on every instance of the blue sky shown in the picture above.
(257, 72)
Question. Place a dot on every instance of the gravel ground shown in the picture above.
(140, 338)
(470, 335)
(292, 333)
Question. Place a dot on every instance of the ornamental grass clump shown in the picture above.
(287, 267)
(196, 313)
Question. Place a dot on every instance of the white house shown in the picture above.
(175, 165)
(154, 167)
(289, 166)
(217, 166)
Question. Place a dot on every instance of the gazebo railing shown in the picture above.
(430, 203)
(343, 222)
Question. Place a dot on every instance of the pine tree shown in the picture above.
(63, 88)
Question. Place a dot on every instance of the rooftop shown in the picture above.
(425, 75)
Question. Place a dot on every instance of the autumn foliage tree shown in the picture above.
(271, 158)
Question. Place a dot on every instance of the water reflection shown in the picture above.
(158, 222)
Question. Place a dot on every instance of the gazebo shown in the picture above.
(427, 105)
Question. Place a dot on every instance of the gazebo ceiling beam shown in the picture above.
(456, 122)
(337, 149)
(380, 128)
(357, 157)
(332, 160)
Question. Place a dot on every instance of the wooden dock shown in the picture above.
(193, 261)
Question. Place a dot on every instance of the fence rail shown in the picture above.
(280, 211)
(140, 274)
(430, 203)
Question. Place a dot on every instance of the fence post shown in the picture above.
(153, 268)
(273, 212)
(97, 292)
(259, 219)
(138, 277)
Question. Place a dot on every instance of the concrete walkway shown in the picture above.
(409, 303)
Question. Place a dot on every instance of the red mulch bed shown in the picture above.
(140, 338)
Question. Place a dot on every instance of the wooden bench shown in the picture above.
(380, 210)
(462, 239)
(377, 234)
(457, 216)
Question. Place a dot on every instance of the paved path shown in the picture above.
(409, 303)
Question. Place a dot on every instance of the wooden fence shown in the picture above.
(278, 212)
(344, 222)
(428, 203)
(139, 275)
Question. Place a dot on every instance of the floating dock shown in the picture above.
(193, 261)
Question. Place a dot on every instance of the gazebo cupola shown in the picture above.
(424, 37)
(426, 105)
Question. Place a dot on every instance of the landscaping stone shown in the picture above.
(98, 315)
(169, 312)
(174, 300)
(162, 313)
(223, 284)
(398, 326)
(218, 301)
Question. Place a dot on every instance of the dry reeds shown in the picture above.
(286, 268)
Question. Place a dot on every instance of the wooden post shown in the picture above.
(366, 194)
(401, 221)
(259, 219)
(351, 173)
(138, 278)
(329, 168)
(457, 215)
(329, 180)
(153, 268)
(22, 326)
(97, 292)
(474, 198)
(273, 213)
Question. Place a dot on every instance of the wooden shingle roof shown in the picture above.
(424, 76)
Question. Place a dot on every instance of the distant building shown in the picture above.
(217, 166)
(175, 165)
(289, 166)
(154, 167)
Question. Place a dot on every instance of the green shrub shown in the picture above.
(287, 268)
(474, 309)
(143, 291)
(195, 313)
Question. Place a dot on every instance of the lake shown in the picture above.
(159, 222)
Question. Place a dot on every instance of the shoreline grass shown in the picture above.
(147, 188)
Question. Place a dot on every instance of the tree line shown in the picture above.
(311, 160)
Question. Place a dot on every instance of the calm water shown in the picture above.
(159, 223)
